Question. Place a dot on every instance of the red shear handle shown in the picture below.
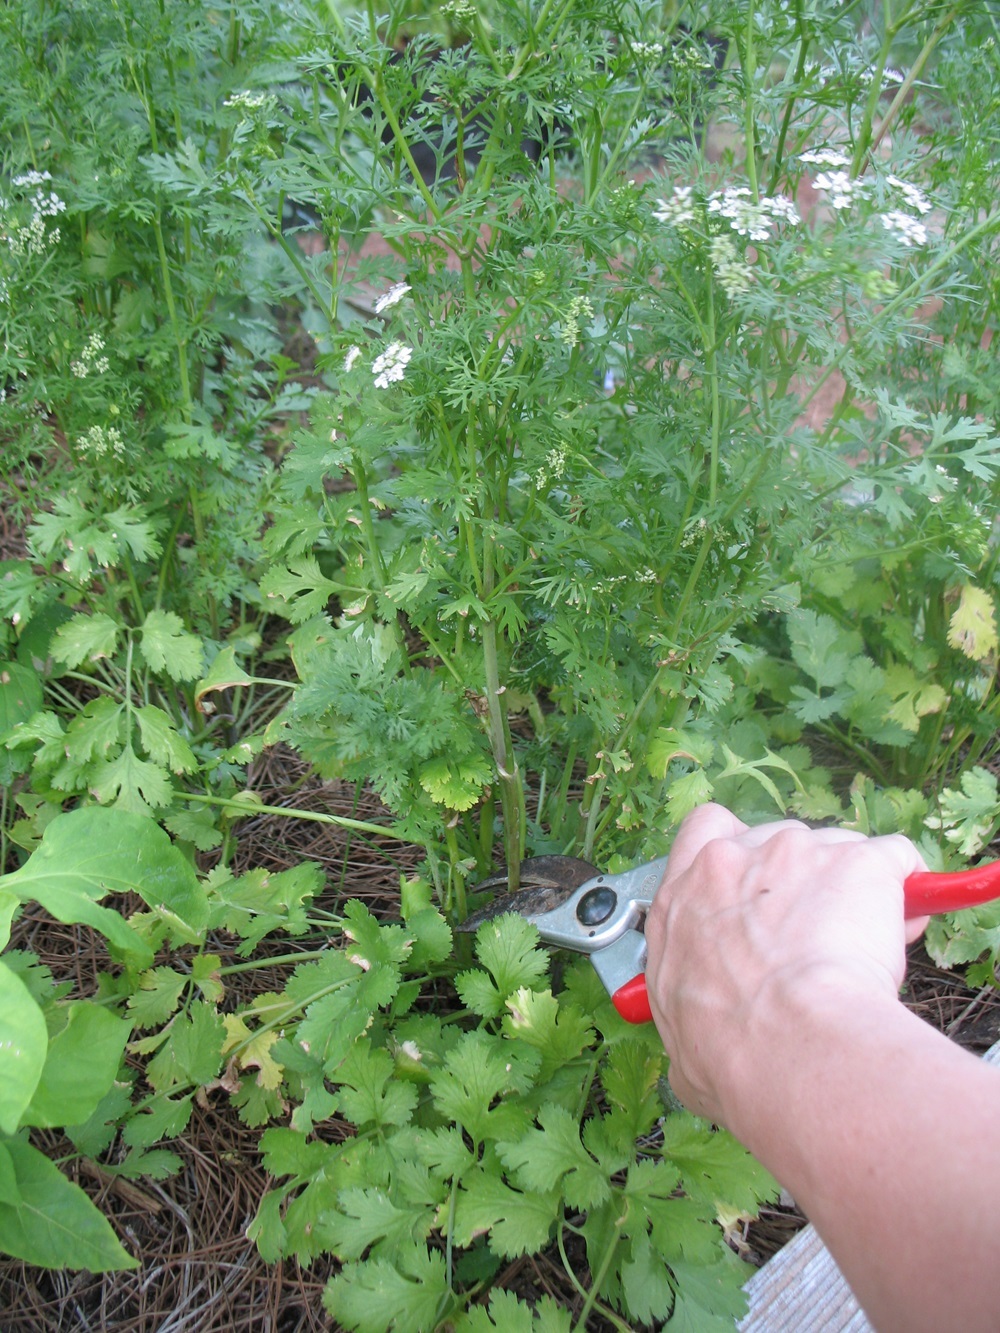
(632, 1002)
(926, 892)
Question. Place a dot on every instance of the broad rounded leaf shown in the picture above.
(80, 1067)
(23, 1043)
(88, 853)
(55, 1225)
(20, 694)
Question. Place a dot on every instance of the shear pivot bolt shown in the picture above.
(596, 906)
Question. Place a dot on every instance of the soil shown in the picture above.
(199, 1273)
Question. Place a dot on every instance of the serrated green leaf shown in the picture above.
(134, 785)
(159, 992)
(98, 728)
(554, 1155)
(24, 1041)
(299, 589)
(820, 647)
(192, 1052)
(164, 1118)
(557, 1030)
(157, 1164)
(196, 827)
(409, 1296)
(687, 793)
(477, 1073)
(85, 638)
(714, 1166)
(508, 947)
(55, 1225)
(511, 1315)
(167, 646)
(630, 1079)
(518, 1222)
(646, 1287)
(368, 1094)
(710, 1298)
(162, 742)
(80, 1066)
(368, 1217)
(456, 783)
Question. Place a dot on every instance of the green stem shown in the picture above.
(904, 88)
(749, 127)
(243, 810)
(608, 1258)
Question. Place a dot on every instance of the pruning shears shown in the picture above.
(577, 907)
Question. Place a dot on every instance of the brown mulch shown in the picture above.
(199, 1273)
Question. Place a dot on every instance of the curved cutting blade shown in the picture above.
(547, 880)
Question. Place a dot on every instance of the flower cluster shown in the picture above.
(392, 297)
(678, 210)
(390, 365)
(35, 236)
(579, 307)
(908, 230)
(646, 50)
(102, 440)
(552, 469)
(840, 187)
(735, 275)
(91, 360)
(249, 102)
(826, 157)
(750, 217)
(912, 197)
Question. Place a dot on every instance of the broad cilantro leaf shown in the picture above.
(645, 1284)
(253, 1051)
(518, 1223)
(559, 1031)
(162, 742)
(479, 1072)
(714, 1166)
(164, 1118)
(408, 1296)
(368, 1093)
(192, 1052)
(510, 1315)
(710, 1297)
(167, 646)
(973, 625)
(98, 728)
(456, 783)
(820, 647)
(630, 1077)
(85, 638)
(131, 783)
(366, 1217)
(299, 589)
(160, 990)
(508, 947)
(554, 1155)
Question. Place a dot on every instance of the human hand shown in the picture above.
(750, 926)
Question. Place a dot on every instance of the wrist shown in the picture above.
(805, 1021)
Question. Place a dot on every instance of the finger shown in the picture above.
(762, 833)
(916, 928)
(702, 826)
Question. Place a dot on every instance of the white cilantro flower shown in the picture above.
(352, 355)
(389, 367)
(678, 210)
(906, 229)
(392, 297)
(749, 218)
(912, 197)
(826, 157)
(839, 186)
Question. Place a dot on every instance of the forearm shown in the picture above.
(888, 1136)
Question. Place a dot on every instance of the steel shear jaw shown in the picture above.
(603, 917)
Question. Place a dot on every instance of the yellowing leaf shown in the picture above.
(973, 625)
(253, 1052)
